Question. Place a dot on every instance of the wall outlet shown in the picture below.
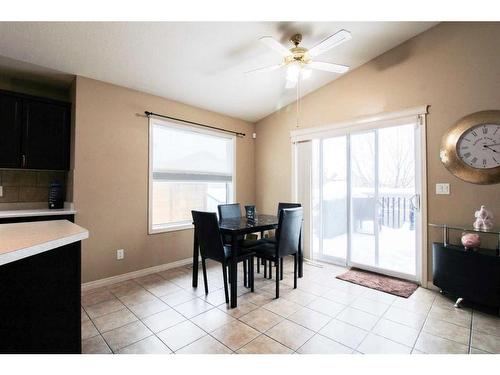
(1, 191)
(120, 254)
(443, 189)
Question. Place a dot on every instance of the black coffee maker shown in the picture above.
(56, 195)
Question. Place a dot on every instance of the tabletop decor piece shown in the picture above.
(484, 219)
(471, 240)
(250, 212)
(471, 148)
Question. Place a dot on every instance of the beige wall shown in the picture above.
(453, 67)
(111, 176)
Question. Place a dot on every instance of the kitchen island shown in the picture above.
(40, 286)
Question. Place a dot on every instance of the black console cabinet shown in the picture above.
(471, 275)
(34, 132)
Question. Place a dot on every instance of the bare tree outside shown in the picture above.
(397, 158)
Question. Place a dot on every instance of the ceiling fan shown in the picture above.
(300, 60)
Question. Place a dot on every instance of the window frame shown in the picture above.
(179, 125)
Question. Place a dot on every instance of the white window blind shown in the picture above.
(190, 169)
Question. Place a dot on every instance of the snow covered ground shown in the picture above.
(396, 248)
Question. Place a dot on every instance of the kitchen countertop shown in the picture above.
(36, 212)
(21, 240)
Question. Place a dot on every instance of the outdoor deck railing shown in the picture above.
(395, 211)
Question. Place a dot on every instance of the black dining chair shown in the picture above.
(287, 243)
(233, 211)
(209, 237)
(272, 239)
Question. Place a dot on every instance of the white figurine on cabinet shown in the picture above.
(484, 219)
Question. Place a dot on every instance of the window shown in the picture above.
(190, 169)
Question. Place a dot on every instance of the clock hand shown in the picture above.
(489, 148)
(493, 144)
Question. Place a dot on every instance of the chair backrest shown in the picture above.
(283, 205)
(288, 232)
(229, 211)
(207, 231)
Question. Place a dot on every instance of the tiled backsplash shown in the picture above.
(28, 186)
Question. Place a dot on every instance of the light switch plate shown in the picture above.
(443, 189)
(1, 191)
(120, 254)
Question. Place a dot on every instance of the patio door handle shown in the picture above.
(415, 202)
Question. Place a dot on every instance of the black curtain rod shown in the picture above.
(194, 123)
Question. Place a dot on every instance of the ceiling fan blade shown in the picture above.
(330, 42)
(265, 69)
(328, 67)
(275, 45)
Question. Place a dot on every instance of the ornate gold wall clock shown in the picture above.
(471, 148)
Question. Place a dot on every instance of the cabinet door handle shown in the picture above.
(24, 160)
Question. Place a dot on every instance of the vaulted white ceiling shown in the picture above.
(198, 63)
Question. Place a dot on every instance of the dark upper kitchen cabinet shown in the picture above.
(46, 140)
(10, 131)
(34, 132)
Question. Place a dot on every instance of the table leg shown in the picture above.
(301, 257)
(233, 269)
(196, 255)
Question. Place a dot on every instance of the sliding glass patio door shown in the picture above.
(365, 200)
(330, 199)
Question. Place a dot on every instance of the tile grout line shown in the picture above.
(99, 332)
(352, 325)
(192, 322)
(208, 333)
(470, 330)
(141, 320)
(264, 333)
(181, 285)
(138, 319)
(382, 316)
(371, 329)
(451, 323)
(287, 319)
(422, 327)
(335, 318)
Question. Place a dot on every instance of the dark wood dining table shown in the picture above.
(237, 227)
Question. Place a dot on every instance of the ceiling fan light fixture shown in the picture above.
(293, 72)
(296, 70)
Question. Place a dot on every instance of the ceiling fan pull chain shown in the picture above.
(298, 98)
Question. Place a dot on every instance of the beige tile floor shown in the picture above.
(162, 313)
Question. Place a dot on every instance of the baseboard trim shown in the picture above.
(431, 286)
(134, 274)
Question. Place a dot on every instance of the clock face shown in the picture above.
(479, 146)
